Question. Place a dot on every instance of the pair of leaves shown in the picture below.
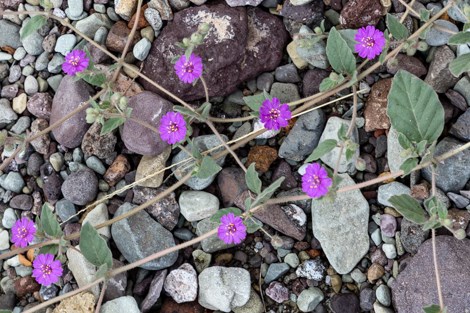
(94, 248)
(47, 223)
(267, 192)
(111, 124)
(33, 25)
(254, 184)
(252, 179)
(256, 101)
(207, 168)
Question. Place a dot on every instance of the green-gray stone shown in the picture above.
(275, 271)
(95, 164)
(12, 181)
(309, 299)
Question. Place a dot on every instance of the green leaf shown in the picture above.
(397, 29)
(383, 54)
(434, 308)
(349, 153)
(51, 249)
(111, 124)
(247, 203)
(404, 142)
(33, 25)
(342, 132)
(5, 311)
(94, 248)
(205, 109)
(268, 192)
(421, 146)
(252, 179)
(255, 102)
(460, 65)
(186, 112)
(409, 207)
(216, 217)
(207, 168)
(49, 222)
(435, 206)
(414, 108)
(93, 78)
(409, 165)
(323, 148)
(102, 271)
(424, 15)
(252, 224)
(461, 38)
(348, 36)
(339, 54)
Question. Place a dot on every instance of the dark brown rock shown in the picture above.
(118, 35)
(170, 306)
(262, 156)
(22, 202)
(345, 303)
(310, 13)
(68, 97)
(418, 280)
(231, 181)
(40, 105)
(312, 81)
(407, 63)
(375, 112)
(242, 44)
(284, 170)
(147, 107)
(359, 13)
(457, 99)
(117, 170)
(25, 285)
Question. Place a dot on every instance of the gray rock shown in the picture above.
(275, 270)
(213, 243)
(83, 271)
(331, 132)
(358, 276)
(54, 82)
(417, 278)
(314, 55)
(68, 97)
(383, 295)
(391, 189)
(147, 107)
(75, 8)
(460, 128)
(15, 73)
(96, 165)
(224, 288)
(141, 49)
(303, 137)
(55, 64)
(156, 287)
(394, 149)
(285, 92)
(463, 87)
(97, 216)
(123, 304)
(153, 17)
(12, 181)
(311, 269)
(454, 172)
(440, 32)
(460, 201)
(367, 299)
(9, 218)
(342, 232)
(21, 125)
(80, 187)
(66, 209)
(389, 250)
(33, 43)
(439, 76)
(254, 305)
(139, 236)
(292, 259)
(239, 3)
(197, 205)
(287, 74)
(203, 143)
(5, 56)
(31, 85)
(309, 299)
(65, 43)
(265, 81)
(90, 25)
(181, 284)
(10, 34)
(7, 115)
(412, 236)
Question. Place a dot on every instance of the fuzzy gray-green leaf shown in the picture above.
(323, 148)
(397, 29)
(49, 222)
(252, 224)
(461, 38)
(208, 168)
(414, 108)
(216, 217)
(94, 248)
(255, 102)
(460, 65)
(252, 179)
(339, 54)
(33, 25)
(268, 192)
(409, 208)
(111, 124)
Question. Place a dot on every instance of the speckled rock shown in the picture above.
(359, 13)
(80, 187)
(181, 284)
(375, 112)
(439, 76)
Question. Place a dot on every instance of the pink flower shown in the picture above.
(22, 233)
(231, 229)
(172, 127)
(273, 114)
(315, 181)
(370, 42)
(75, 62)
(46, 270)
(188, 70)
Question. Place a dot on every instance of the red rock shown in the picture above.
(118, 35)
(375, 112)
(117, 170)
(262, 156)
(26, 285)
(142, 21)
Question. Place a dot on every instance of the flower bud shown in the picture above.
(460, 234)
(203, 28)
(186, 42)
(115, 98)
(422, 46)
(196, 39)
(122, 103)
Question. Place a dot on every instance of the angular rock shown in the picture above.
(118, 36)
(10, 35)
(439, 76)
(40, 105)
(454, 172)
(152, 166)
(123, 304)
(278, 292)
(116, 284)
(309, 13)
(260, 40)
(181, 284)
(303, 137)
(359, 13)
(254, 305)
(408, 63)
(224, 288)
(460, 128)
(342, 232)
(231, 182)
(391, 189)
(69, 96)
(375, 112)
(95, 144)
(147, 107)
(139, 236)
(80, 303)
(198, 205)
(309, 299)
(156, 287)
(416, 278)
(80, 187)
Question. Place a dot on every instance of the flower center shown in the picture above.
(188, 67)
(315, 181)
(22, 232)
(368, 42)
(46, 269)
(231, 229)
(74, 61)
(274, 114)
(173, 127)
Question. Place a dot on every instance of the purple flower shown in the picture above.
(172, 127)
(75, 62)
(273, 114)
(370, 42)
(315, 181)
(188, 70)
(231, 229)
(22, 233)
(46, 270)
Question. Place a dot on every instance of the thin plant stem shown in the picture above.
(100, 300)
(434, 250)
(204, 85)
(409, 8)
(136, 120)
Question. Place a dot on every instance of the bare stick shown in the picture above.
(434, 250)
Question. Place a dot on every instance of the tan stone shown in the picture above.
(126, 8)
(80, 303)
(19, 103)
(150, 165)
(296, 59)
(375, 112)
(118, 169)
